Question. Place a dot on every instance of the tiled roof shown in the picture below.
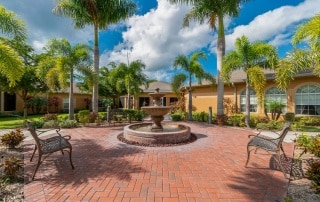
(239, 76)
(163, 87)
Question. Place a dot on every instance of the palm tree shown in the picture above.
(129, 76)
(193, 68)
(301, 59)
(10, 58)
(60, 64)
(251, 58)
(213, 12)
(100, 14)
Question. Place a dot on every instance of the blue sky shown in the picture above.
(155, 34)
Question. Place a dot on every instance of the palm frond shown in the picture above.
(10, 64)
(257, 80)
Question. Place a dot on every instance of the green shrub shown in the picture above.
(315, 145)
(313, 173)
(179, 113)
(12, 138)
(271, 125)
(289, 116)
(84, 116)
(200, 116)
(49, 117)
(304, 140)
(130, 113)
(310, 121)
(68, 124)
(176, 117)
(50, 124)
(62, 117)
(38, 123)
(236, 119)
(139, 115)
(253, 121)
(309, 143)
(103, 115)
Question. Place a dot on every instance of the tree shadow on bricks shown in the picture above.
(261, 181)
(93, 161)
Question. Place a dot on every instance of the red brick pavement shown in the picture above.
(209, 169)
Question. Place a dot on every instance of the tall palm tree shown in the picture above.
(100, 14)
(129, 76)
(10, 25)
(61, 62)
(301, 59)
(193, 68)
(213, 12)
(251, 58)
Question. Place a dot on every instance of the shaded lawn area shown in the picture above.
(13, 122)
(309, 129)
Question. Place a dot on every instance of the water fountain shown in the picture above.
(157, 132)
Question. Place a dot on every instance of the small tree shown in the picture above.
(274, 108)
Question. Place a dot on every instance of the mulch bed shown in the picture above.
(192, 138)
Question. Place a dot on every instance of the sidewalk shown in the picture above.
(209, 169)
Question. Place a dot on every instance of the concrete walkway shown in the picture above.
(209, 169)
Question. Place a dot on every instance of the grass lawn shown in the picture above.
(16, 121)
(309, 129)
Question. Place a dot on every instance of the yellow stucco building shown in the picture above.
(302, 96)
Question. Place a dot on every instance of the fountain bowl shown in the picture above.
(172, 133)
(157, 110)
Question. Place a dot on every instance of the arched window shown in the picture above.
(253, 101)
(307, 99)
(278, 95)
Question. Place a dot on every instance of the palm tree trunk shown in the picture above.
(247, 118)
(190, 101)
(128, 101)
(95, 93)
(71, 100)
(221, 46)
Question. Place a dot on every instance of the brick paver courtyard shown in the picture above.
(209, 169)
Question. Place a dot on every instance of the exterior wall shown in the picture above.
(167, 95)
(204, 97)
(80, 102)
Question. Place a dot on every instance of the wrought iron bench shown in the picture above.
(273, 145)
(49, 145)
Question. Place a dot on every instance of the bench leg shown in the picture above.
(70, 158)
(248, 155)
(38, 164)
(34, 151)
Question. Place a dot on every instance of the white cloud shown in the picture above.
(157, 38)
(275, 26)
(43, 25)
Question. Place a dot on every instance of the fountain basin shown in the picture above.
(172, 133)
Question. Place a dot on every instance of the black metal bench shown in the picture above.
(49, 145)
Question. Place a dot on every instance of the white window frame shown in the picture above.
(253, 101)
(276, 94)
(307, 100)
(65, 104)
